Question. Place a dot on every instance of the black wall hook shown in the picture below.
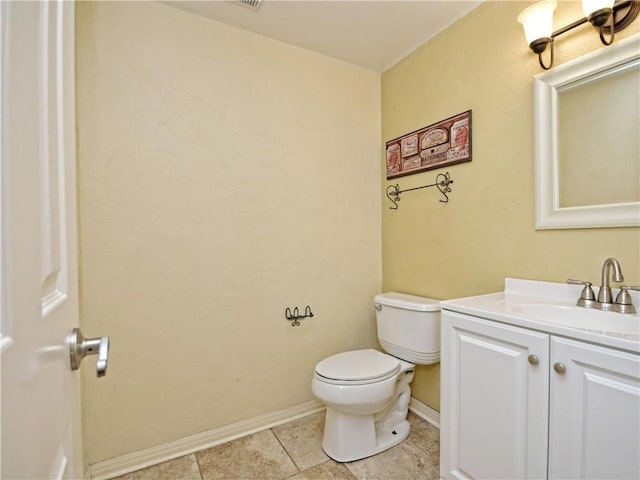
(295, 317)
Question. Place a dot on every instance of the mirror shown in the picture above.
(587, 140)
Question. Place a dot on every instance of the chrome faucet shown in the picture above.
(623, 302)
(604, 294)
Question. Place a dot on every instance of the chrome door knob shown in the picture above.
(80, 347)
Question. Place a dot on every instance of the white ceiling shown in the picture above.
(374, 34)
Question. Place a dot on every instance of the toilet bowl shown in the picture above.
(355, 404)
(366, 391)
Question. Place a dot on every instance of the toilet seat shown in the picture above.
(357, 367)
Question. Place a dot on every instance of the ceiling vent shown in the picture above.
(250, 4)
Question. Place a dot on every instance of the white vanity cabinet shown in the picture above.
(594, 421)
(507, 413)
(493, 400)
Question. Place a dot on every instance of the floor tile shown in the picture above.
(402, 462)
(259, 456)
(302, 439)
(326, 471)
(426, 438)
(293, 451)
(183, 468)
(414, 419)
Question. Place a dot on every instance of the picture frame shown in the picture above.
(441, 144)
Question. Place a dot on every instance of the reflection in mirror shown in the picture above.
(587, 140)
(599, 138)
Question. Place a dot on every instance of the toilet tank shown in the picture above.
(409, 327)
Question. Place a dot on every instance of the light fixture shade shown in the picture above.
(590, 6)
(537, 20)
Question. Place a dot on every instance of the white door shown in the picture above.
(494, 400)
(594, 424)
(40, 394)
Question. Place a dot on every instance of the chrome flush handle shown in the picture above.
(80, 347)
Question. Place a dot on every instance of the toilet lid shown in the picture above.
(358, 365)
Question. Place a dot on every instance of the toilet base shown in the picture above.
(353, 437)
(348, 437)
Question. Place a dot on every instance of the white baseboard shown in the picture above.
(184, 446)
(151, 456)
(425, 412)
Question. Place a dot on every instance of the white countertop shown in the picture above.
(502, 307)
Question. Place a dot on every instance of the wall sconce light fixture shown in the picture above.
(608, 16)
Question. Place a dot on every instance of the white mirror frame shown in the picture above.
(549, 214)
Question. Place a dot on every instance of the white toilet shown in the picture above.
(367, 392)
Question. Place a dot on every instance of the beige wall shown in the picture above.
(222, 177)
(486, 232)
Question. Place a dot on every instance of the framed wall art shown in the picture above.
(439, 145)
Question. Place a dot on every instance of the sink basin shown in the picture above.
(610, 323)
(551, 308)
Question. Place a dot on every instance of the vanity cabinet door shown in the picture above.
(594, 427)
(494, 409)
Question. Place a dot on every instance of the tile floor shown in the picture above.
(293, 451)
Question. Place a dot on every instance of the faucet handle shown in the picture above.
(624, 302)
(623, 297)
(587, 291)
